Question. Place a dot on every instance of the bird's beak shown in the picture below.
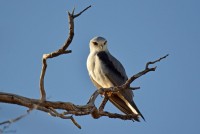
(101, 46)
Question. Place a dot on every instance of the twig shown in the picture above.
(15, 119)
(158, 60)
(147, 69)
(75, 123)
(81, 11)
(64, 117)
(7, 123)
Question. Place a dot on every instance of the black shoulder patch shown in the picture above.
(106, 61)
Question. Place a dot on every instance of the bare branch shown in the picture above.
(77, 110)
(158, 60)
(103, 103)
(46, 106)
(15, 119)
(7, 123)
(58, 52)
(81, 11)
(71, 18)
(147, 69)
(70, 109)
(42, 90)
(75, 123)
(115, 115)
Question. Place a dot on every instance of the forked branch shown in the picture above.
(50, 107)
(70, 109)
(60, 51)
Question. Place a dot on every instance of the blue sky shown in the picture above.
(137, 31)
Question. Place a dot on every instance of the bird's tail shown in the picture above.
(125, 106)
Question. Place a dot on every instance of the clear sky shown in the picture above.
(137, 31)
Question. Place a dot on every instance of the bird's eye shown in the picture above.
(95, 43)
(105, 42)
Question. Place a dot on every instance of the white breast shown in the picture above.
(96, 71)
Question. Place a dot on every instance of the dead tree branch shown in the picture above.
(70, 109)
(62, 50)
(50, 107)
(7, 123)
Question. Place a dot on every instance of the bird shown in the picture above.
(105, 71)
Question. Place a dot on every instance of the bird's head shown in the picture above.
(98, 44)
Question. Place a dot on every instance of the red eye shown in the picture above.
(95, 43)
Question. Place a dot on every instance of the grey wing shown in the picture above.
(115, 72)
(118, 74)
(113, 68)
